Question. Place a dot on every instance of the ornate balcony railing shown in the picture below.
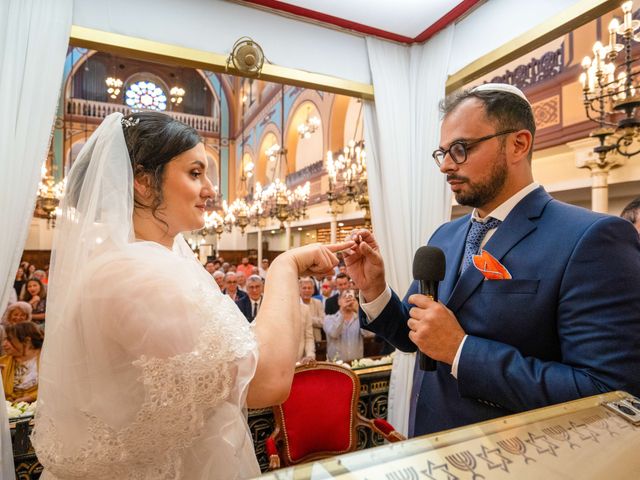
(93, 109)
(536, 71)
(307, 173)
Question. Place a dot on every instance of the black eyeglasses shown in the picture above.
(458, 149)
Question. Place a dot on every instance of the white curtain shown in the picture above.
(409, 196)
(33, 41)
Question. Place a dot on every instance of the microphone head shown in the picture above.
(429, 264)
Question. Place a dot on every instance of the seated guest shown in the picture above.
(631, 212)
(344, 335)
(264, 267)
(242, 281)
(244, 267)
(22, 346)
(316, 310)
(307, 347)
(210, 267)
(231, 287)
(36, 295)
(342, 284)
(250, 304)
(218, 276)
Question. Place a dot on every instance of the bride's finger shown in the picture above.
(336, 247)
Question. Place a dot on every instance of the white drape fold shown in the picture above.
(409, 196)
(33, 41)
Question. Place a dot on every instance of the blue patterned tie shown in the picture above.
(474, 239)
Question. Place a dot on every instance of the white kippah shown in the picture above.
(500, 87)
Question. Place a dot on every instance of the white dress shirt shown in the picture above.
(374, 308)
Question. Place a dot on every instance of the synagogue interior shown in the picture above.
(315, 125)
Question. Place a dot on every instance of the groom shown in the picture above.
(564, 326)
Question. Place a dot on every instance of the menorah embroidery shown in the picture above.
(407, 473)
(464, 461)
(560, 434)
(515, 446)
(601, 424)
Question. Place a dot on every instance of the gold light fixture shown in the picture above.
(114, 84)
(310, 125)
(49, 195)
(176, 94)
(611, 91)
(347, 172)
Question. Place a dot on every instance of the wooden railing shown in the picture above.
(93, 109)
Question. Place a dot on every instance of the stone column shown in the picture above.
(585, 157)
(334, 228)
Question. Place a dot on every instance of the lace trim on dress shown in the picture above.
(179, 392)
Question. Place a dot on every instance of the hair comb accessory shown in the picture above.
(129, 122)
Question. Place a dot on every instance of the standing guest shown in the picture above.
(316, 310)
(20, 280)
(342, 284)
(218, 276)
(233, 268)
(264, 267)
(344, 335)
(17, 312)
(210, 267)
(30, 270)
(154, 337)
(245, 267)
(326, 290)
(20, 363)
(632, 213)
(540, 301)
(231, 287)
(242, 281)
(250, 305)
(225, 267)
(255, 271)
(40, 275)
(36, 295)
(307, 345)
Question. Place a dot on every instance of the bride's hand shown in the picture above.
(316, 259)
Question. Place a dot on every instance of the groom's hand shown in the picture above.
(365, 266)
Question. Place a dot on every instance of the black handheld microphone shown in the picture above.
(428, 269)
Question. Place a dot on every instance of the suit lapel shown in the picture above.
(515, 227)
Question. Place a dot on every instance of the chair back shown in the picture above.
(319, 418)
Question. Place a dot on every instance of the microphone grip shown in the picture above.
(429, 288)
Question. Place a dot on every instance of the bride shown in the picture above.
(147, 367)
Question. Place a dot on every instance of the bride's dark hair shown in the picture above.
(153, 140)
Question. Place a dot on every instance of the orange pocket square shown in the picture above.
(491, 268)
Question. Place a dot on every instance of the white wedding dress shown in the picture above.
(146, 364)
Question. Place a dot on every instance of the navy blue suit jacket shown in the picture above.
(567, 325)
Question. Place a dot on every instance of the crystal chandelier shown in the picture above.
(114, 85)
(272, 152)
(49, 195)
(278, 202)
(310, 125)
(610, 92)
(347, 173)
(176, 94)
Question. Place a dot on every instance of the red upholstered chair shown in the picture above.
(320, 417)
